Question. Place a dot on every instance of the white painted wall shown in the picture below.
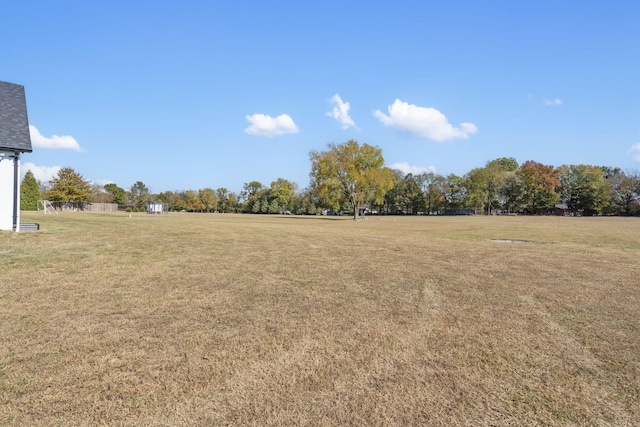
(154, 207)
(6, 192)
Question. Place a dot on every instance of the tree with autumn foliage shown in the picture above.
(539, 184)
(192, 202)
(208, 199)
(350, 172)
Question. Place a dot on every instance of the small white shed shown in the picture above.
(14, 140)
(157, 208)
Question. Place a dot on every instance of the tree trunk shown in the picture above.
(356, 208)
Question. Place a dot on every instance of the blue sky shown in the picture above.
(194, 94)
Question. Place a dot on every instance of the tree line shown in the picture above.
(351, 178)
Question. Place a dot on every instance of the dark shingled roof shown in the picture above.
(14, 124)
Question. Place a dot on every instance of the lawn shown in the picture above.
(220, 319)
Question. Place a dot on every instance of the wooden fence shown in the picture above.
(101, 207)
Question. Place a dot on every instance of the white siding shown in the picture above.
(6, 192)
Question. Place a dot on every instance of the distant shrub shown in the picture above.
(128, 210)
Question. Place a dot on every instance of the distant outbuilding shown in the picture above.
(157, 208)
(14, 140)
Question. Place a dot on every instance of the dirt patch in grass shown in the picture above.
(188, 319)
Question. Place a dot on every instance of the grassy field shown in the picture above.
(203, 319)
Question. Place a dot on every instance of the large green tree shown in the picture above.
(283, 192)
(584, 188)
(350, 172)
(394, 199)
(454, 192)
(306, 202)
(175, 200)
(208, 198)
(433, 188)
(413, 194)
(227, 200)
(252, 194)
(118, 195)
(29, 192)
(507, 164)
(511, 193)
(139, 194)
(625, 191)
(482, 187)
(484, 184)
(68, 187)
(406, 195)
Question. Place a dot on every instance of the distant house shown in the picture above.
(14, 140)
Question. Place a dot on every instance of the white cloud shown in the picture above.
(423, 121)
(635, 152)
(406, 168)
(550, 102)
(64, 142)
(265, 125)
(340, 112)
(41, 173)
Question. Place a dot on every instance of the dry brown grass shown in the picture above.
(188, 319)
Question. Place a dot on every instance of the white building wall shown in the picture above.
(6, 192)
